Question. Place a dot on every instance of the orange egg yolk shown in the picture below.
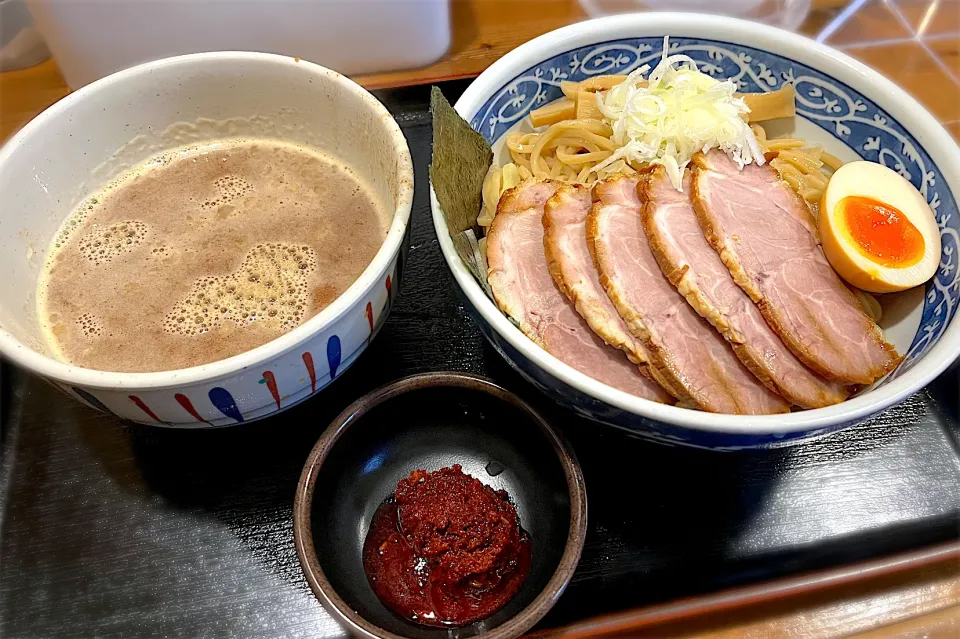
(882, 233)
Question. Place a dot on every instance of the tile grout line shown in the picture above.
(867, 44)
(903, 19)
(939, 36)
(872, 45)
(840, 20)
(892, 6)
(848, 12)
(927, 17)
(940, 63)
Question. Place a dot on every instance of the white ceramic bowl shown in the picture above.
(87, 138)
(853, 110)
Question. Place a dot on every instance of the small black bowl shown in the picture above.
(432, 421)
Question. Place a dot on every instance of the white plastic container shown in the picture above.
(93, 38)
(21, 44)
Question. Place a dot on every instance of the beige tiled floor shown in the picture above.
(931, 17)
(874, 22)
(949, 53)
(911, 65)
(916, 43)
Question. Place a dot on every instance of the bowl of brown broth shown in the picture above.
(217, 236)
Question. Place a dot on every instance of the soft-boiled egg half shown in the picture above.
(877, 231)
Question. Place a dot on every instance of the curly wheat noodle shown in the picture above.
(571, 151)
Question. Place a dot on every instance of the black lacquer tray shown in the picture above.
(112, 529)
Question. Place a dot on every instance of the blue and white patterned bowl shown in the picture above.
(852, 110)
(84, 140)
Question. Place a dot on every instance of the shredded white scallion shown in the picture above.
(677, 112)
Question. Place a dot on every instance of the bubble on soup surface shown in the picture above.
(74, 222)
(90, 325)
(266, 282)
(103, 243)
(229, 188)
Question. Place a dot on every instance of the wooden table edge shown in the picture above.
(748, 596)
(379, 82)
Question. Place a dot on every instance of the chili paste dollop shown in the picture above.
(445, 549)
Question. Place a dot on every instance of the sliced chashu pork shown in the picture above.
(571, 265)
(681, 345)
(524, 290)
(767, 238)
(692, 265)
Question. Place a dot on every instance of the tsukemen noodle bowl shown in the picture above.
(709, 232)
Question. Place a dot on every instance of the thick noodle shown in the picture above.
(567, 151)
(806, 168)
(576, 150)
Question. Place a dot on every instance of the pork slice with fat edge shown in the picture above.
(524, 289)
(767, 238)
(681, 345)
(691, 264)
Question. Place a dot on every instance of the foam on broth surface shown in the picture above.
(205, 252)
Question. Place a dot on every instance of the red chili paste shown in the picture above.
(446, 550)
